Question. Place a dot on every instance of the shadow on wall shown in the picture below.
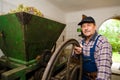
(116, 17)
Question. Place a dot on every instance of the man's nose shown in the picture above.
(86, 27)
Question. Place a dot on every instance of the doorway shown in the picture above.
(111, 30)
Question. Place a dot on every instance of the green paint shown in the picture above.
(24, 37)
(23, 40)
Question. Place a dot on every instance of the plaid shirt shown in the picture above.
(102, 55)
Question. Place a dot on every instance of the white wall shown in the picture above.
(100, 15)
(49, 10)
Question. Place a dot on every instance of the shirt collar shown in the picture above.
(94, 36)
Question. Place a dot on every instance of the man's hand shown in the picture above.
(78, 50)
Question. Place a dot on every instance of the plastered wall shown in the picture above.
(99, 14)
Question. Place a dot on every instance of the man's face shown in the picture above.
(88, 29)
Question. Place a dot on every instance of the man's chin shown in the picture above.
(87, 35)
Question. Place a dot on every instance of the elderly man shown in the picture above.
(96, 51)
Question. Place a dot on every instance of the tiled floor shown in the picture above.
(116, 71)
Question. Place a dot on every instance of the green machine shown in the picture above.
(27, 42)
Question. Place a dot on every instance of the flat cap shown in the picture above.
(86, 19)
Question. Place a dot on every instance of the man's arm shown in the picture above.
(104, 61)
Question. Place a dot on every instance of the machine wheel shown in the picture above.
(38, 74)
(70, 67)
